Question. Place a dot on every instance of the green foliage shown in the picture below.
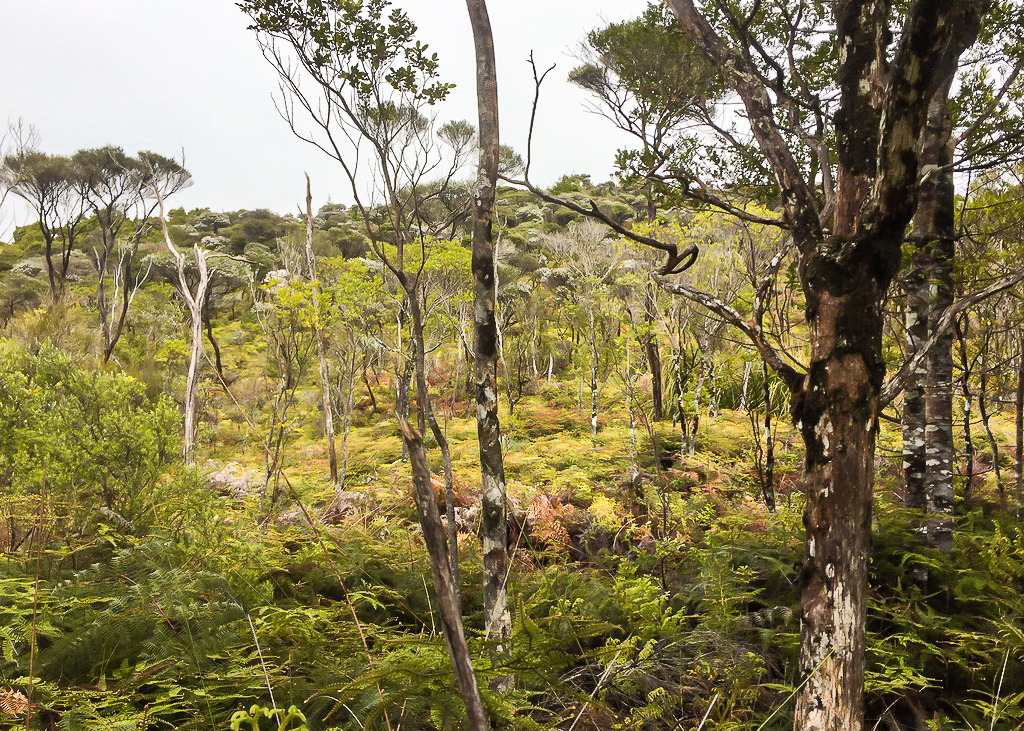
(354, 43)
(88, 445)
(283, 718)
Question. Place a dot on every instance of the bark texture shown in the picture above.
(846, 263)
(497, 621)
(928, 403)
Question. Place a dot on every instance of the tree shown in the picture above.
(195, 300)
(49, 183)
(372, 84)
(497, 621)
(849, 252)
(115, 185)
(593, 264)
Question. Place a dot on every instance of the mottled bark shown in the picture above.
(836, 411)
(444, 586)
(928, 409)
(321, 348)
(497, 621)
(846, 266)
(913, 422)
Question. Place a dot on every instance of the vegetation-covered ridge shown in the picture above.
(749, 420)
(650, 585)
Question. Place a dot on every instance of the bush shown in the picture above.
(88, 446)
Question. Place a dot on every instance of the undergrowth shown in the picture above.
(664, 604)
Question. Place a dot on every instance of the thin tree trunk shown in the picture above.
(347, 422)
(768, 479)
(650, 341)
(593, 375)
(321, 348)
(208, 324)
(746, 382)
(993, 444)
(444, 586)
(192, 380)
(497, 620)
(968, 398)
(1019, 418)
(701, 369)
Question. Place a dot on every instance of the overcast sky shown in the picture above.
(173, 75)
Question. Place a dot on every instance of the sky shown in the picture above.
(186, 76)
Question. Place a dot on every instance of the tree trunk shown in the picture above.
(701, 372)
(992, 443)
(346, 429)
(192, 380)
(746, 383)
(935, 206)
(321, 349)
(592, 335)
(913, 423)
(768, 478)
(1019, 418)
(653, 354)
(968, 398)
(497, 621)
(444, 586)
(836, 411)
(195, 302)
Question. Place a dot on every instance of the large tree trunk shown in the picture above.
(321, 349)
(497, 621)
(836, 411)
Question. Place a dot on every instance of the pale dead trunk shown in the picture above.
(192, 380)
(195, 302)
(321, 349)
(746, 382)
